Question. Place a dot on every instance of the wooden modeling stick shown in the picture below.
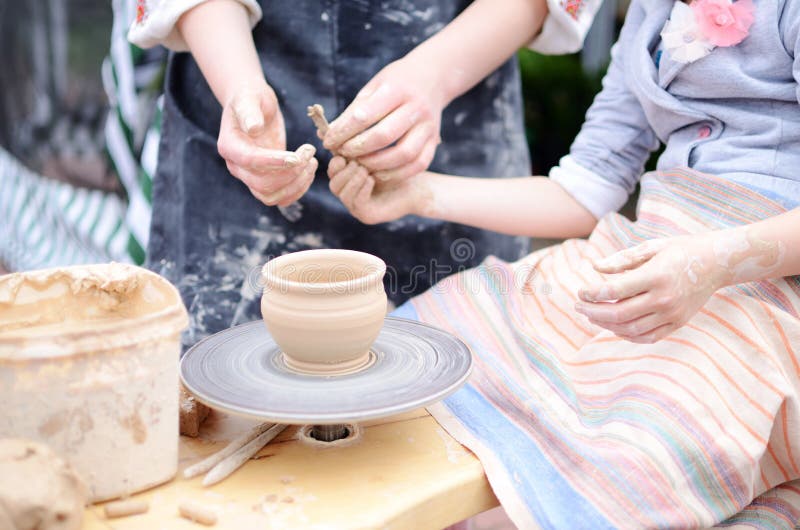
(242, 455)
(235, 444)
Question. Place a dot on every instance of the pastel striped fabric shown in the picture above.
(577, 428)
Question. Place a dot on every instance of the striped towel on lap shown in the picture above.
(577, 428)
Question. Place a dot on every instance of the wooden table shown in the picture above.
(405, 472)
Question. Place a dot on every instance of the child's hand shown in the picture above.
(369, 201)
(654, 288)
(252, 140)
(392, 126)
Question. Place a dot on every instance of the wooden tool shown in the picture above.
(233, 462)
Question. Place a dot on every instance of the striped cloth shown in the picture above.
(46, 223)
(577, 428)
(133, 80)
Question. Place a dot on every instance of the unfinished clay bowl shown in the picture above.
(324, 308)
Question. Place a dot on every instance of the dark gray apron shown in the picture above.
(209, 236)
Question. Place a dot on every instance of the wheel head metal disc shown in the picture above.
(241, 370)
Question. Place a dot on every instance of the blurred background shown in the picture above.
(80, 121)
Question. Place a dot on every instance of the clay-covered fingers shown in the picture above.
(619, 287)
(371, 105)
(351, 183)
(252, 135)
(266, 184)
(301, 180)
(635, 327)
(405, 151)
(305, 152)
(341, 174)
(254, 111)
(300, 185)
(246, 155)
(369, 201)
(651, 290)
(418, 164)
(629, 258)
(274, 169)
(384, 133)
(603, 313)
(247, 110)
(639, 319)
(271, 198)
(363, 195)
(336, 164)
(280, 187)
(360, 204)
(352, 188)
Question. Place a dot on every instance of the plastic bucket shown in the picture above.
(89, 365)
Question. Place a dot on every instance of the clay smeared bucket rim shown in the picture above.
(374, 269)
(16, 345)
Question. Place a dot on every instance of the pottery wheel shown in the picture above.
(241, 370)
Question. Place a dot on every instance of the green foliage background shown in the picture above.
(556, 92)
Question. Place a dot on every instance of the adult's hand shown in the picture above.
(252, 134)
(392, 126)
(252, 140)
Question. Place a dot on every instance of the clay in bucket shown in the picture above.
(324, 308)
(89, 366)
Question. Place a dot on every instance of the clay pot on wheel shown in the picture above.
(324, 308)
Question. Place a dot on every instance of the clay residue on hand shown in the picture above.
(427, 204)
(729, 244)
(694, 268)
(746, 256)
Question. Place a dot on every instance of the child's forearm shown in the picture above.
(762, 250)
(529, 206)
(478, 41)
(219, 37)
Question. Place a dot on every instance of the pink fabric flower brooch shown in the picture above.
(692, 31)
(141, 11)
